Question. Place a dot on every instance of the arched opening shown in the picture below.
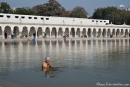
(60, 33)
(99, 33)
(32, 30)
(47, 31)
(54, 32)
(16, 31)
(122, 32)
(109, 33)
(84, 32)
(67, 31)
(72, 33)
(113, 33)
(126, 33)
(78, 32)
(104, 33)
(89, 32)
(39, 32)
(24, 32)
(7, 32)
(117, 33)
(94, 32)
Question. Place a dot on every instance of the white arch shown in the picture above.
(25, 31)
(40, 32)
(60, 32)
(15, 31)
(48, 32)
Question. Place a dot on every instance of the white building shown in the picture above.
(57, 27)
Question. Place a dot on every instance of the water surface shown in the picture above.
(76, 63)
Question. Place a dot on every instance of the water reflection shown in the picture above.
(24, 42)
(39, 42)
(47, 72)
(47, 42)
(0, 43)
(99, 54)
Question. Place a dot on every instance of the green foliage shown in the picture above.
(39, 10)
(4, 7)
(79, 12)
(51, 8)
(116, 16)
(24, 11)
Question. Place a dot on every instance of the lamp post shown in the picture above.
(13, 10)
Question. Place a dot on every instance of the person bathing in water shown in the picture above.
(47, 63)
(46, 67)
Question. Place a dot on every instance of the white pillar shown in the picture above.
(101, 33)
(57, 34)
(43, 31)
(92, 33)
(80, 33)
(69, 34)
(20, 34)
(50, 32)
(75, 33)
(95, 33)
(63, 32)
(3, 34)
(2, 29)
(115, 33)
(36, 28)
(86, 33)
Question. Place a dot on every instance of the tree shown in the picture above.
(4, 7)
(79, 12)
(40, 10)
(24, 11)
(51, 8)
(55, 6)
(115, 15)
(66, 13)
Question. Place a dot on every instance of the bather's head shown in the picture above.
(47, 58)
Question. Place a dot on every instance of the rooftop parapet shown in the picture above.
(32, 19)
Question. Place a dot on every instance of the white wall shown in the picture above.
(14, 18)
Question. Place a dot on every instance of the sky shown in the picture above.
(89, 5)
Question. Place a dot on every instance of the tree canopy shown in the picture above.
(4, 7)
(24, 11)
(51, 8)
(115, 15)
(79, 12)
